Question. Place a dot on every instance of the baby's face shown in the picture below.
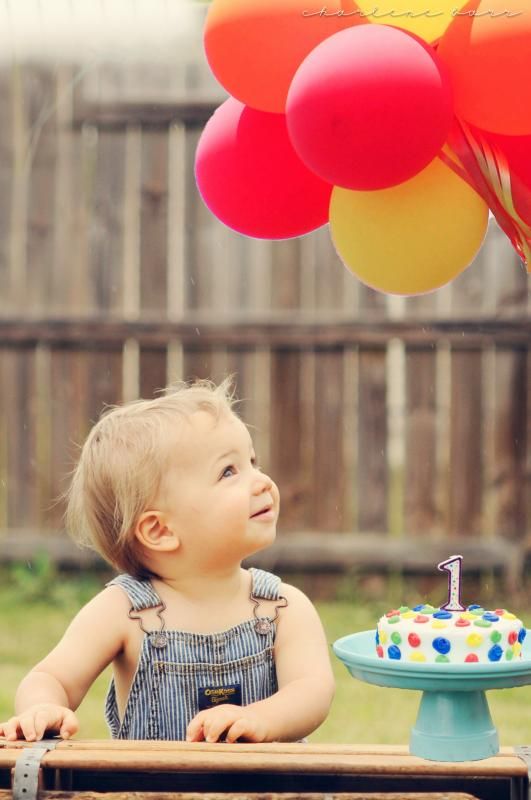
(218, 501)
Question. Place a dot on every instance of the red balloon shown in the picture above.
(369, 107)
(250, 177)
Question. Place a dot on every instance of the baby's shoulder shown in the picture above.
(297, 601)
(110, 603)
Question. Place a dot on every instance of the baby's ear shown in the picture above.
(153, 532)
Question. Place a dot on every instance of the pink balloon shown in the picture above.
(251, 179)
(369, 107)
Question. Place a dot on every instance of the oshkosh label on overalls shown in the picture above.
(211, 696)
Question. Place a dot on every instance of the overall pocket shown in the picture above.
(179, 688)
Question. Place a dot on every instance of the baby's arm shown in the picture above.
(49, 694)
(305, 681)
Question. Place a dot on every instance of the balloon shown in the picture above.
(253, 47)
(488, 55)
(426, 20)
(411, 238)
(369, 107)
(250, 177)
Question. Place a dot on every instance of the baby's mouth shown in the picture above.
(262, 511)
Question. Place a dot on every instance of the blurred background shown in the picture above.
(398, 429)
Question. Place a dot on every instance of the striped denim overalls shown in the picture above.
(179, 673)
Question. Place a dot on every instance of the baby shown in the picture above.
(169, 492)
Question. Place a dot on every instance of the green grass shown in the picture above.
(36, 606)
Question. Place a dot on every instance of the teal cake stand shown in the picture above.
(454, 721)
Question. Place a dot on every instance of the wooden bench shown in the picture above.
(181, 771)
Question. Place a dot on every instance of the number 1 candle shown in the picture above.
(452, 566)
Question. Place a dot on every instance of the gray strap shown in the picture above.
(27, 769)
(523, 751)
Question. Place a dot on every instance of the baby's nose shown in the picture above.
(263, 483)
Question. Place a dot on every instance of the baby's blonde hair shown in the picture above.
(122, 463)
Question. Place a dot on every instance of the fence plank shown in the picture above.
(6, 186)
(466, 458)
(106, 228)
(287, 438)
(154, 221)
(510, 382)
(420, 511)
(329, 479)
(153, 371)
(372, 440)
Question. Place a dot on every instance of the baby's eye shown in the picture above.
(228, 471)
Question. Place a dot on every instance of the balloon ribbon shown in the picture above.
(486, 169)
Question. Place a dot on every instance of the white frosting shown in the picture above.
(433, 635)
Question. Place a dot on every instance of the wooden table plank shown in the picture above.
(247, 758)
(71, 795)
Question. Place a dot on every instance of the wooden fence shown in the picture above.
(400, 416)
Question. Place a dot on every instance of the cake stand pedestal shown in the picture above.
(454, 721)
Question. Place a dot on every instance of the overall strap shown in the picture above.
(140, 593)
(265, 585)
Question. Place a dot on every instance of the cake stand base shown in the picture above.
(464, 730)
(454, 722)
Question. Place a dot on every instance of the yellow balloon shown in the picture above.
(424, 18)
(411, 238)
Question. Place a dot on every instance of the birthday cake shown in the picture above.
(425, 634)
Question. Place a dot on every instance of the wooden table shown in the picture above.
(181, 771)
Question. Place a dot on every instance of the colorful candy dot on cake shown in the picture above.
(383, 637)
(437, 624)
(413, 640)
(396, 638)
(522, 634)
(427, 609)
(442, 614)
(394, 652)
(468, 615)
(393, 620)
(483, 623)
(441, 645)
(512, 637)
(508, 615)
(473, 606)
(417, 657)
(474, 639)
(377, 637)
(380, 651)
(403, 609)
(442, 659)
(392, 613)
(421, 618)
(419, 607)
(471, 658)
(490, 616)
(495, 637)
(517, 648)
(495, 653)
(408, 615)
(478, 612)
(499, 611)
(462, 623)
(509, 655)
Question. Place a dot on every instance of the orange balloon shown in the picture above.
(254, 47)
(487, 49)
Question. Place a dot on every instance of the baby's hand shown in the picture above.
(236, 722)
(32, 723)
